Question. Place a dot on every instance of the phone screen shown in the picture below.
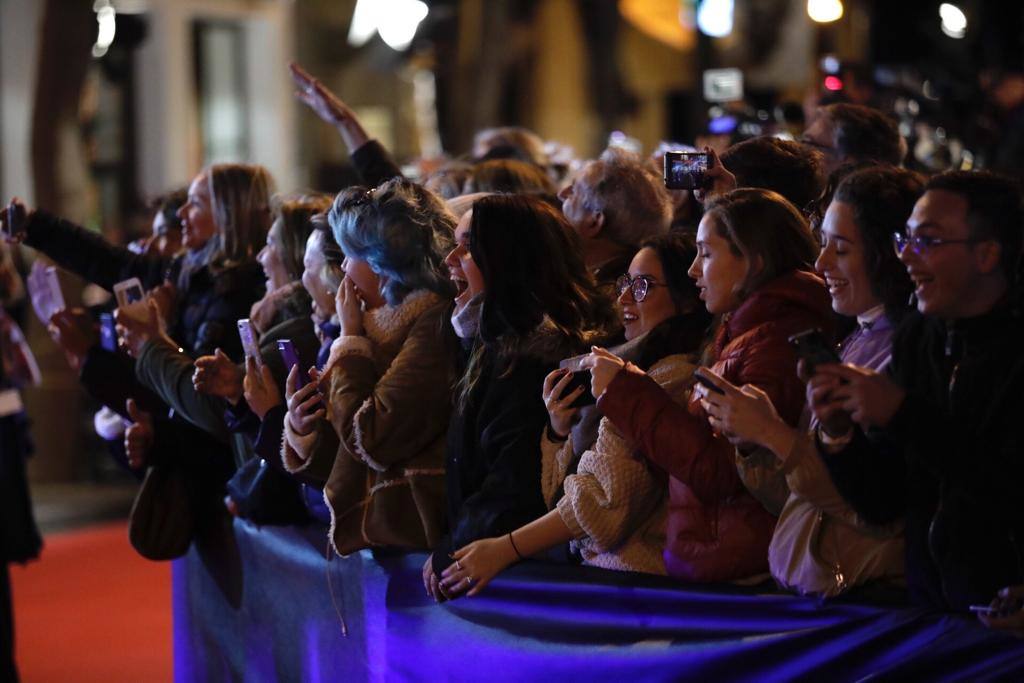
(249, 344)
(685, 170)
(108, 336)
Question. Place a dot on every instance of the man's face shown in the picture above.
(821, 135)
(572, 200)
(946, 276)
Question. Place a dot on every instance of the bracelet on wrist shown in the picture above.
(514, 548)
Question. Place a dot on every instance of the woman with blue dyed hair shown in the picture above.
(378, 445)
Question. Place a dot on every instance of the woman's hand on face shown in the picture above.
(604, 365)
(349, 306)
(135, 331)
(305, 407)
(744, 415)
(74, 331)
(561, 414)
(217, 375)
(259, 388)
(1007, 611)
(431, 583)
(476, 564)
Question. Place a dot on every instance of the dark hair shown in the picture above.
(334, 257)
(882, 198)
(531, 263)
(816, 208)
(296, 213)
(790, 168)
(676, 251)
(168, 205)
(448, 180)
(508, 175)
(761, 224)
(402, 230)
(994, 210)
(863, 133)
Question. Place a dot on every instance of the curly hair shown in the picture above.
(402, 230)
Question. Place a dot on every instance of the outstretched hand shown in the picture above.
(328, 106)
(217, 375)
(720, 179)
(139, 325)
(476, 564)
(75, 332)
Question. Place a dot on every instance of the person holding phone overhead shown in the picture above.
(754, 255)
(614, 507)
(821, 546)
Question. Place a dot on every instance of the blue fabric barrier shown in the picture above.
(258, 608)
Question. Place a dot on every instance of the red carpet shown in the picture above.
(92, 610)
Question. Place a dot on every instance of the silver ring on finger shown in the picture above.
(458, 566)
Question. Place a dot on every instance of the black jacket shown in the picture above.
(208, 308)
(952, 458)
(493, 463)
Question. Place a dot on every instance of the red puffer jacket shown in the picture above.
(717, 531)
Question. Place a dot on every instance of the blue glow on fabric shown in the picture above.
(274, 620)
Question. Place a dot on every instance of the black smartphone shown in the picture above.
(686, 170)
(813, 349)
(580, 378)
(291, 358)
(707, 382)
(108, 336)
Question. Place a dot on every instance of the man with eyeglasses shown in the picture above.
(940, 439)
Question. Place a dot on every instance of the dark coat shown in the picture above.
(951, 459)
(493, 462)
(208, 307)
(717, 531)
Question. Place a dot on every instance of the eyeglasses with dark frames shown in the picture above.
(638, 286)
(920, 244)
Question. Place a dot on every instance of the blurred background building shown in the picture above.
(105, 104)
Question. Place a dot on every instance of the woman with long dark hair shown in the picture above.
(525, 302)
(613, 508)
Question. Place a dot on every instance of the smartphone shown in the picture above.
(131, 298)
(249, 344)
(987, 610)
(580, 378)
(686, 170)
(291, 358)
(128, 292)
(7, 224)
(814, 349)
(108, 336)
(56, 295)
(706, 382)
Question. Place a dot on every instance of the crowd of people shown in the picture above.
(809, 369)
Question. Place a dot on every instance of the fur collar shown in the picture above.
(388, 325)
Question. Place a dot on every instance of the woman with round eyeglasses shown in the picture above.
(614, 506)
(820, 547)
(753, 268)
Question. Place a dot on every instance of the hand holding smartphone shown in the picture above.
(813, 349)
(580, 378)
(131, 298)
(249, 343)
(707, 382)
(291, 359)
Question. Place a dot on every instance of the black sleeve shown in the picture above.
(88, 255)
(374, 164)
(871, 475)
(109, 378)
(510, 495)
